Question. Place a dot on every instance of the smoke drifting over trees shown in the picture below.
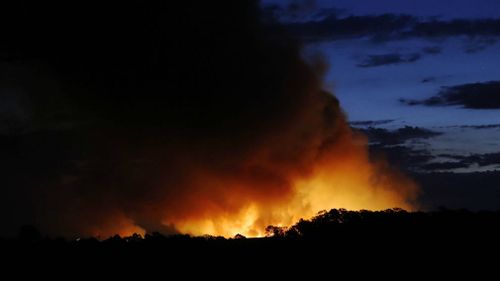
(173, 117)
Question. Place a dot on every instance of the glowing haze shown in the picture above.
(336, 175)
(188, 118)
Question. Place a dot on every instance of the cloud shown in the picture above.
(453, 190)
(428, 79)
(371, 122)
(417, 160)
(441, 188)
(388, 59)
(456, 27)
(393, 145)
(481, 160)
(405, 157)
(329, 12)
(486, 126)
(334, 28)
(422, 160)
(485, 95)
(440, 166)
(389, 27)
(399, 136)
(299, 12)
(434, 50)
(474, 45)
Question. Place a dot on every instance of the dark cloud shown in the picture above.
(418, 160)
(371, 122)
(405, 157)
(393, 145)
(434, 50)
(299, 12)
(432, 79)
(456, 27)
(441, 188)
(453, 190)
(387, 59)
(428, 79)
(333, 28)
(474, 45)
(487, 126)
(439, 166)
(422, 160)
(295, 10)
(484, 95)
(301, 5)
(399, 136)
(485, 159)
(477, 127)
(329, 12)
(392, 27)
(447, 155)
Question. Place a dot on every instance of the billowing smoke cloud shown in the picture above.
(190, 117)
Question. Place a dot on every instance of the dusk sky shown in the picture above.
(226, 117)
(415, 68)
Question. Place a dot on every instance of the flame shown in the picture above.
(344, 177)
(242, 223)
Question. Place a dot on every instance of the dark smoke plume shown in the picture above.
(193, 116)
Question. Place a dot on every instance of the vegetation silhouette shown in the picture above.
(329, 241)
(335, 226)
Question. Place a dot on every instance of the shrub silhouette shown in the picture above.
(337, 233)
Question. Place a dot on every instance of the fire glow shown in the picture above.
(220, 130)
(340, 176)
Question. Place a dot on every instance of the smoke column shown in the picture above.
(198, 118)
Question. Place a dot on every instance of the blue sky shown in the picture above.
(374, 93)
(423, 8)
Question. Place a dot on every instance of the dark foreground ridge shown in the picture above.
(391, 236)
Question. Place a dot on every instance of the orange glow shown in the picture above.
(242, 223)
(120, 225)
(341, 177)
